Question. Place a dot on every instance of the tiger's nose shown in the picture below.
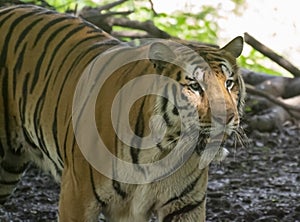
(224, 118)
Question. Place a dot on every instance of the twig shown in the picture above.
(152, 8)
(147, 26)
(272, 55)
(111, 5)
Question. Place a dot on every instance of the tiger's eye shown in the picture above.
(196, 87)
(229, 83)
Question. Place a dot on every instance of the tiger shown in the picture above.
(43, 58)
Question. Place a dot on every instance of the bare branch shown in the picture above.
(272, 55)
(131, 34)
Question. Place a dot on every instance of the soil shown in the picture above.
(260, 182)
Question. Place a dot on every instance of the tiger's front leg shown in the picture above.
(189, 206)
(77, 201)
(188, 212)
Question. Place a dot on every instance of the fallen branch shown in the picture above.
(275, 85)
(289, 108)
(254, 78)
(272, 55)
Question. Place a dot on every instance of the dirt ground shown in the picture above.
(260, 182)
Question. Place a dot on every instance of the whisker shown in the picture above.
(240, 138)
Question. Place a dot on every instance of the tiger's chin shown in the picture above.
(211, 148)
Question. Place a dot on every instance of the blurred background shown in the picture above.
(274, 23)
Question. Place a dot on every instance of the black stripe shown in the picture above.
(79, 58)
(36, 122)
(183, 210)
(119, 191)
(6, 10)
(54, 130)
(26, 30)
(175, 108)
(17, 69)
(164, 104)
(66, 76)
(159, 146)
(46, 28)
(178, 76)
(44, 148)
(196, 62)
(10, 36)
(167, 119)
(37, 72)
(201, 144)
(59, 45)
(56, 114)
(3, 20)
(171, 138)
(55, 137)
(193, 57)
(29, 140)
(94, 29)
(164, 107)
(102, 203)
(175, 111)
(38, 128)
(74, 48)
(189, 78)
(23, 99)
(6, 182)
(138, 131)
(217, 58)
(5, 96)
(42, 142)
(190, 187)
(77, 61)
(37, 114)
(13, 169)
(67, 54)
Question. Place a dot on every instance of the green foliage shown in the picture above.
(201, 27)
(63, 5)
(187, 26)
(254, 60)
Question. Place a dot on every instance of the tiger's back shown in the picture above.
(43, 56)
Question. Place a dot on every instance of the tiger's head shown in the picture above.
(208, 82)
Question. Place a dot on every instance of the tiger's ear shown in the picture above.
(160, 53)
(234, 47)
